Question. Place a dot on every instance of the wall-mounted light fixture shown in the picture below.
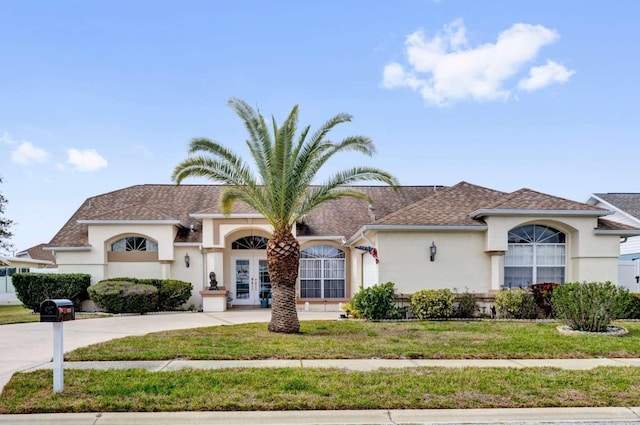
(432, 251)
(187, 260)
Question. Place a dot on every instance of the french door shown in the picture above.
(250, 280)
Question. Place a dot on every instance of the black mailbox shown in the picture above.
(57, 311)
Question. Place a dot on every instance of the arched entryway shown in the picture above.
(250, 282)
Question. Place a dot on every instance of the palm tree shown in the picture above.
(280, 187)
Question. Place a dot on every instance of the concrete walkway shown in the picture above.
(29, 346)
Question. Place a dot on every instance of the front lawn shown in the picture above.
(306, 388)
(10, 314)
(359, 339)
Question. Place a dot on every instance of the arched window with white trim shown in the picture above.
(322, 272)
(134, 243)
(535, 254)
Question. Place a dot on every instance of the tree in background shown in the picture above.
(5, 225)
(286, 162)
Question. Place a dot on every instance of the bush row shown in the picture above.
(131, 295)
(586, 306)
(33, 288)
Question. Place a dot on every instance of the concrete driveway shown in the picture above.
(27, 345)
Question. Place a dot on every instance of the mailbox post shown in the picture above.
(57, 312)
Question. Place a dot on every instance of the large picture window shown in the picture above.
(322, 272)
(535, 254)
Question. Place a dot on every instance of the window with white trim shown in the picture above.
(535, 254)
(322, 272)
(134, 243)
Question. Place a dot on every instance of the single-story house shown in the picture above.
(32, 259)
(463, 237)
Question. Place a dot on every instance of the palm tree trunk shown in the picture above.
(283, 256)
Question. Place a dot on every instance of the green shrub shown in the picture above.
(124, 297)
(542, 293)
(376, 302)
(432, 304)
(171, 293)
(632, 311)
(589, 306)
(516, 304)
(33, 288)
(467, 306)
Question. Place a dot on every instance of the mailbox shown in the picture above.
(57, 311)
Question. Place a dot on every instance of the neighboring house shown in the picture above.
(462, 237)
(33, 259)
(626, 210)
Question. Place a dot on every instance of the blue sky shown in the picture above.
(100, 95)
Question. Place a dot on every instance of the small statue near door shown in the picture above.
(213, 283)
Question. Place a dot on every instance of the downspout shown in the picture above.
(624, 239)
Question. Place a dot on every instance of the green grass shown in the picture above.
(17, 314)
(311, 389)
(10, 314)
(359, 339)
(304, 388)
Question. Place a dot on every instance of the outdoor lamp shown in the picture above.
(432, 251)
(186, 259)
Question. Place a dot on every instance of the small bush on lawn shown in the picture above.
(467, 306)
(589, 306)
(542, 293)
(432, 304)
(124, 297)
(33, 288)
(376, 302)
(516, 304)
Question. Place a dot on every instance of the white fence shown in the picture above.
(628, 273)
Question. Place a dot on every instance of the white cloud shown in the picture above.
(445, 69)
(88, 160)
(542, 76)
(26, 153)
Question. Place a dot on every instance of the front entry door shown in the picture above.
(251, 281)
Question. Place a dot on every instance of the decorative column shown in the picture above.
(497, 269)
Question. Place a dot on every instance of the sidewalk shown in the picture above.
(587, 415)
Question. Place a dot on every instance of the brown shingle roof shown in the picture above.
(604, 224)
(527, 199)
(408, 205)
(172, 202)
(448, 207)
(37, 253)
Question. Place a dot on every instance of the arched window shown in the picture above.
(134, 243)
(536, 254)
(322, 272)
(250, 242)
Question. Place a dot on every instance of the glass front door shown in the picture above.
(251, 281)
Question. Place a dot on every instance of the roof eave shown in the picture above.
(621, 233)
(484, 212)
(416, 227)
(136, 222)
(67, 248)
(220, 215)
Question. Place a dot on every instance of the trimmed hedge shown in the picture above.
(171, 293)
(432, 304)
(517, 304)
(33, 288)
(124, 297)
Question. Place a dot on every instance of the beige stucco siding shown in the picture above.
(460, 262)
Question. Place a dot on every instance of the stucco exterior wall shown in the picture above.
(460, 262)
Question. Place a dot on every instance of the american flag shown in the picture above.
(371, 250)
